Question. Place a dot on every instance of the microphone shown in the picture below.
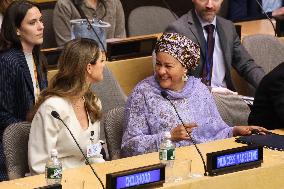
(165, 96)
(56, 115)
(270, 20)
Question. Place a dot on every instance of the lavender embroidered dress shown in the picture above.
(148, 115)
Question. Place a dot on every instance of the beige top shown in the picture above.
(48, 133)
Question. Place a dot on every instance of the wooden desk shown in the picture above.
(256, 27)
(269, 175)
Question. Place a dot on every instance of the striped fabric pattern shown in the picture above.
(16, 92)
(16, 88)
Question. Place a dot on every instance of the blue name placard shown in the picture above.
(237, 158)
(142, 177)
(234, 159)
(138, 179)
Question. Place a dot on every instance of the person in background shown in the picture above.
(268, 105)
(221, 48)
(240, 10)
(110, 11)
(70, 95)
(3, 6)
(149, 113)
(23, 70)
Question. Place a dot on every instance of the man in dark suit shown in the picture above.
(268, 106)
(240, 10)
(228, 51)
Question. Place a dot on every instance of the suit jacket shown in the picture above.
(240, 10)
(16, 87)
(234, 53)
(268, 106)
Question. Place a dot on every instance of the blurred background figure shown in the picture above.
(268, 105)
(250, 10)
(110, 11)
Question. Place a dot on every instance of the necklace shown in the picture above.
(78, 104)
(80, 112)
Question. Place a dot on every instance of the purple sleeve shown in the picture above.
(137, 137)
(212, 127)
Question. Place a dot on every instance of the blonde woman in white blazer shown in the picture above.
(69, 94)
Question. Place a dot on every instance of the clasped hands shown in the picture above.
(181, 132)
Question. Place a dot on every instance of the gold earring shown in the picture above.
(184, 78)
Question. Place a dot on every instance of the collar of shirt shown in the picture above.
(204, 23)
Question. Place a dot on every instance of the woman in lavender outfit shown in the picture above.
(149, 114)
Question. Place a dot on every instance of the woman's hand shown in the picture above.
(179, 133)
(278, 13)
(247, 130)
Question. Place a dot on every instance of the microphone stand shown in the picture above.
(57, 116)
(164, 94)
(261, 7)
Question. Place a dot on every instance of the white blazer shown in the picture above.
(48, 133)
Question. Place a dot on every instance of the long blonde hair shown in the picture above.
(70, 80)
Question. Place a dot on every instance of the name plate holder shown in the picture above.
(54, 186)
(142, 177)
(131, 47)
(235, 159)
